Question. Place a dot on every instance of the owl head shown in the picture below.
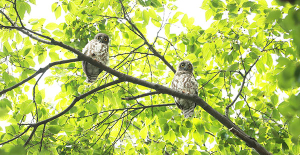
(102, 38)
(185, 66)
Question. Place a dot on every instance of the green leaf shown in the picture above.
(92, 108)
(184, 20)
(167, 30)
(208, 14)
(26, 51)
(58, 33)
(294, 127)
(17, 149)
(259, 39)
(32, 1)
(233, 67)
(188, 124)
(42, 57)
(5, 76)
(239, 105)
(143, 133)
(274, 99)
(184, 131)
(54, 6)
(4, 103)
(3, 114)
(7, 47)
(286, 110)
(199, 126)
(256, 51)
(26, 107)
(146, 16)
(274, 15)
(155, 22)
(72, 7)
(57, 12)
(138, 41)
(166, 128)
(51, 26)
(248, 4)
(54, 129)
(19, 38)
(172, 136)
(269, 60)
(54, 56)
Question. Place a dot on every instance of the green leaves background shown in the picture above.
(257, 57)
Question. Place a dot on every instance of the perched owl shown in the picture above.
(184, 81)
(98, 50)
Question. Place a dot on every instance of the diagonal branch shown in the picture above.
(41, 70)
(35, 125)
(16, 136)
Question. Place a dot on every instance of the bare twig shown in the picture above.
(43, 134)
(33, 95)
(142, 95)
(141, 35)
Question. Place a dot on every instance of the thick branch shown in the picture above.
(31, 135)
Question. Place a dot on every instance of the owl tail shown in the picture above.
(188, 112)
(91, 79)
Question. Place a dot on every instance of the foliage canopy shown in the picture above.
(244, 62)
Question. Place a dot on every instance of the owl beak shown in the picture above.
(186, 68)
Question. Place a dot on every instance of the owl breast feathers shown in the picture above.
(98, 50)
(185, 82)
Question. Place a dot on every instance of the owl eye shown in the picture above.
(190, 66)
(98, 38)
(105, 39)
(182, 65)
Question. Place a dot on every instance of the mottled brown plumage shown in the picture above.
(97, 49)
(184, 81)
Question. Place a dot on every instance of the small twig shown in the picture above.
(43, 134)
(139, 96)
(33, 95)
(15, 8)
(16, 136)
(244, 80)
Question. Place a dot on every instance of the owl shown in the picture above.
(98, 50)
(185, 82)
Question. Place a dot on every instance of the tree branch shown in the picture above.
(139, 96)
(41, 70)
(16, 136)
